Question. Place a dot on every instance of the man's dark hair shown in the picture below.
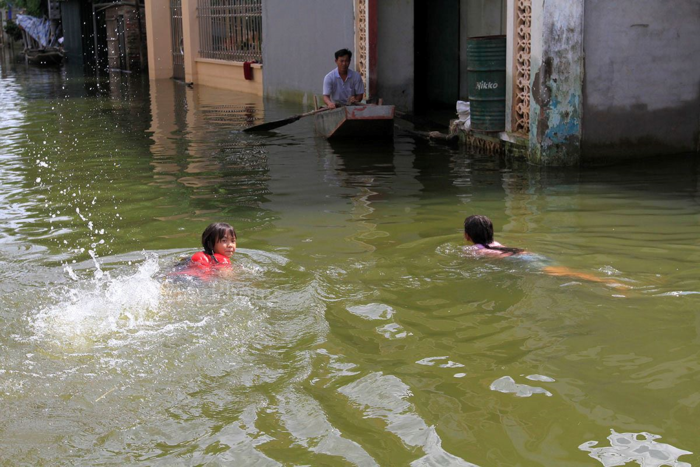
(215, 232)
(343, 53)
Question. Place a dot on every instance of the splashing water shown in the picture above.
(88, 309)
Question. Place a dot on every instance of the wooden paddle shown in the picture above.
(267, 126)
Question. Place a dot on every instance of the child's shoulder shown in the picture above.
(200, 257)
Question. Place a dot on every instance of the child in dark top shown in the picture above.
(219, 242)
(478, 230)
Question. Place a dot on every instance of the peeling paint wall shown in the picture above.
(557, 82)
(642, 83)
(299, 40)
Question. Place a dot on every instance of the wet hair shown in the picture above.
(343, 53)
(480, 230)
(215, 232)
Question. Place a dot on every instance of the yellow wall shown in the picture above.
(224, 74)
(221, 74)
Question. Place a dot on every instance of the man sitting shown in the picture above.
(342, 86)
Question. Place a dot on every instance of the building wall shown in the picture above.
(134, 39)
(395, 46)
(224, 74)
(299, 40)
(642, 78)
(220, 74)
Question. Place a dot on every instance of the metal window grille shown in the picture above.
(230, 29)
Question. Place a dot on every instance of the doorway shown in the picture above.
(437, 63)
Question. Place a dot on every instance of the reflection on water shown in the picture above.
(508, 385)
(352, 328)
(628, 447)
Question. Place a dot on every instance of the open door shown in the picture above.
(437, 63)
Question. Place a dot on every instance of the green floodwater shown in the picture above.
(355, 329)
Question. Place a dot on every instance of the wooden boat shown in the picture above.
(358, 121)
(47, 57)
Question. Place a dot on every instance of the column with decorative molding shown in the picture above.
(366, 44)
(518, 65)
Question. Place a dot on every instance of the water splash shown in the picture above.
(628, 447)
(89, 308)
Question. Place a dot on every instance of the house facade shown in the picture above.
(214, 43)
(586, 80)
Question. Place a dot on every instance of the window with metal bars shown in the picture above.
(230, 29)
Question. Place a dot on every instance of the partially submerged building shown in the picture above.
(585, 80)
(215, 43)
(109, 35)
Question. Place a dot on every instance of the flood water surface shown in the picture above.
(352, 329)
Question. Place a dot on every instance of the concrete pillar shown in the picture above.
(160, 56)
(556, 79)
(190, 37)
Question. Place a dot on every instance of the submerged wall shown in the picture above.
(642, 80)
(299, 40)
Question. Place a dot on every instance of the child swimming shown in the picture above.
(219, 242)
(478, 230)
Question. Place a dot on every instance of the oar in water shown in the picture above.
(267, 126)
